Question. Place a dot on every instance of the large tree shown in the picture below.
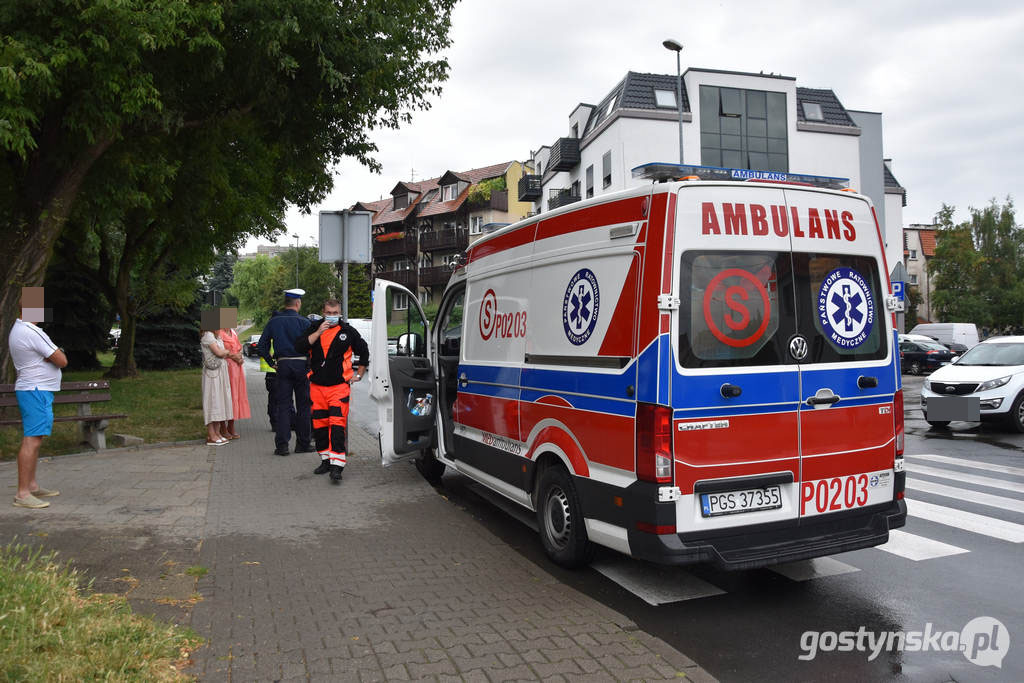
(81, 80)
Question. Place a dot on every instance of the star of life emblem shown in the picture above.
(846, 308)
(580, 306)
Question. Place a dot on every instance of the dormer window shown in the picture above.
(812, 111)
(449, 192)
(401, 201)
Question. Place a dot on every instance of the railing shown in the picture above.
(448, 238)
(403, 246)
(565, 154)
(530, 188)
(557, 198)
(406, 278)
(435, 276)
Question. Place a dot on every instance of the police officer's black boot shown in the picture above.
(336, 474)
(324, 467)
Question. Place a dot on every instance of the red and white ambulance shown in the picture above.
(702, 369)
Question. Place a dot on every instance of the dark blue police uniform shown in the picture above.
(283, 329)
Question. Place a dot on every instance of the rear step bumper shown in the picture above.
(753, 547)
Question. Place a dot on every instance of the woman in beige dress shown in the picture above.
(216, 388)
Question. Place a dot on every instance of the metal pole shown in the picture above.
(344, 290)
(679, 101)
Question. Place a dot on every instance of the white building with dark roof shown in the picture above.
(730, 119)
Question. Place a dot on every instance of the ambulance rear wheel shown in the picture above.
(560, 517)
(430, 467)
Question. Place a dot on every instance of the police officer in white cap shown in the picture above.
(283, 329)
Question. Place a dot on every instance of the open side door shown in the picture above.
(404, 385)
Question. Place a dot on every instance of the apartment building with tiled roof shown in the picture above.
(426, 225)
(737, 120)
(918, 249)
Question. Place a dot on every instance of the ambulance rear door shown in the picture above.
(843, 346)
(736, 388)
(403, 383)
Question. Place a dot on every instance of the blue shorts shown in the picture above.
(36, 408)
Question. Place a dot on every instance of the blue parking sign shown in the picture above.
(897, 289)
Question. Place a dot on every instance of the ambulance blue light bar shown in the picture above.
(663, 172)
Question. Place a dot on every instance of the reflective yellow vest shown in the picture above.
(264, 365)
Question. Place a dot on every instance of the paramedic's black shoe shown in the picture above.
(281, 451)
(335, 474)
(305, 449)
(324, 468)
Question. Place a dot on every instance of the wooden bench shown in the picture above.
(82, 394)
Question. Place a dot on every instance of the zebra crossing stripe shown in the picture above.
(966, 478)
(945, 459)
(967, 521)
(965, 495)
(918, 548)
(655, 585)
(805, 570)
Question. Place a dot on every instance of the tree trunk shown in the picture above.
(124, 361)
(30, 243)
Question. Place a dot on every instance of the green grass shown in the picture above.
(53, 630)
(197, 571)
(162, 405)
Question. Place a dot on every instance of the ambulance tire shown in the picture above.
(560, 518)
(1016, 416)
(430, 467)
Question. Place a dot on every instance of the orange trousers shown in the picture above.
(330, 417)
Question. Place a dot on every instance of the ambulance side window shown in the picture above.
(406, 326)
(840, 308)
(450, 327)
(736, 309)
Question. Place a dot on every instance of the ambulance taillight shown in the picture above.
(654, 443)
(897, 418)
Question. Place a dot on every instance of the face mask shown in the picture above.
(332, 320)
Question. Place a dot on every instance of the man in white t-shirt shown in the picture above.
(37, 361)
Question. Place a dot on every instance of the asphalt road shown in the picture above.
(957, 559)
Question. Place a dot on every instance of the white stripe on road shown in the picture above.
(655, 585)
(967, 521)
(966, 478)
(945, 459)
(965, 495)
(918, 548)
(805, 570)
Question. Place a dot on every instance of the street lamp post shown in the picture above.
(677, 47)
(296, 236)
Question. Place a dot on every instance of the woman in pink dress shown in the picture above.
(236, 373)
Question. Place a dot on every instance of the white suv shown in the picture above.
(990, 374)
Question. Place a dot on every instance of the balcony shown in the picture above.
(529, 188)
(557, 198)
(565, 154)
(403, 246)
(406, 278)
(450, 239)
(436, 276)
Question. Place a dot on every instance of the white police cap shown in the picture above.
(295, 293)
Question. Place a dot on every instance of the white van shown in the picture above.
(702, 369)
(946, 333)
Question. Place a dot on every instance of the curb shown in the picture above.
(116, 451)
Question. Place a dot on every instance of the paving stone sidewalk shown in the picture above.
(378, 578)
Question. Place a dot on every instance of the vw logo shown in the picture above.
(798, 347)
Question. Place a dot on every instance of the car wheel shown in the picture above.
(430, 467)
(560, 517)
(915, 367)
(939, 424)
(1016, 416)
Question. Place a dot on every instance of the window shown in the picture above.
(665, 98)
(400, 301)
(812, 111)
(430, 195)
(913, 278)
(606, 169)
(575, 130)
(402, 264)
(450, 260)
(611, 105)
(426, 261)
(475, 224)
(575, 190)
(743, 129)
(401, 201)
(913, 254)
(448, 192)
(590, 181)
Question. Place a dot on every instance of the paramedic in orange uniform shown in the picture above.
(338, 356)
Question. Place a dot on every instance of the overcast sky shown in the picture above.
(946, 76)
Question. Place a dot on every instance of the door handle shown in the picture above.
(823, 397)
(865, 382)
(730, 391)
(463, 381)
